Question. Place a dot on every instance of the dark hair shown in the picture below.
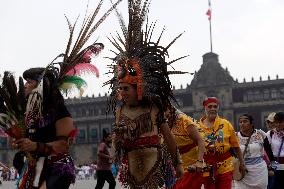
(52, 97)
(105, 134)
(33, 73)
(279, 116)
(247, 116)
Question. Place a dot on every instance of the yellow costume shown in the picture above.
(187, 148)
(219, 139)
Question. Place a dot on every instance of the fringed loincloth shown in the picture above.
(147, 166)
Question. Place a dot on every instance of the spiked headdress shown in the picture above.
(141, 61)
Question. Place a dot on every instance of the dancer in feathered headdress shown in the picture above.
(142, 87)
(48, 126)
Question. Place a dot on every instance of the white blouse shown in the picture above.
(255, 147)
(275, 142)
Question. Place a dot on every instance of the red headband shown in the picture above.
(210, 100)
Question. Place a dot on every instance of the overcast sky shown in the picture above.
(247, 35)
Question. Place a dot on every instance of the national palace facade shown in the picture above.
(257, 98)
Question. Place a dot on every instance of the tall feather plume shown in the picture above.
(121, 22)
(137, 43)
(88, 28)
(137, 15)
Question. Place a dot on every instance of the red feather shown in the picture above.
(83, 68)
(73, 133)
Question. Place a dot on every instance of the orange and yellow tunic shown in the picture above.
(187, 148)
(222, 137)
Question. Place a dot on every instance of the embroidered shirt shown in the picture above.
(254, 153)
(223, 136)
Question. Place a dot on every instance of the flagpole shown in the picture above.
(210, 28)
(209, 13)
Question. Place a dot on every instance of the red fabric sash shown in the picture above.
(213, 159)
(186, 148)
(142, 142)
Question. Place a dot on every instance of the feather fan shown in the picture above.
(12, 106)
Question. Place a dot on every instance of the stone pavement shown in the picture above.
(80, 184)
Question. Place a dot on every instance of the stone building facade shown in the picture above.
(257, 98)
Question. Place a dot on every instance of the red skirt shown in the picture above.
(222, 181)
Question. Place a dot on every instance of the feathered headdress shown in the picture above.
(66, 74)
(141, 61)
(76, 60)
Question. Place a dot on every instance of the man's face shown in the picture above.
(245, 124)
(279, 125)
(211, 110)
(128, 94)
(270, 125)
(30, 85)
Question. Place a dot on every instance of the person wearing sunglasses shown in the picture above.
(220, 138)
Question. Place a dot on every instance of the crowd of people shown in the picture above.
(206, 153)
(208, 148)
(153, 144)
(8, 174)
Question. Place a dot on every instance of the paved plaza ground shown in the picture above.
(80, 184)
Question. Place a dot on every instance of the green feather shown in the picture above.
(78, 81)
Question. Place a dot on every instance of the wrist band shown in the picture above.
(44, 148)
